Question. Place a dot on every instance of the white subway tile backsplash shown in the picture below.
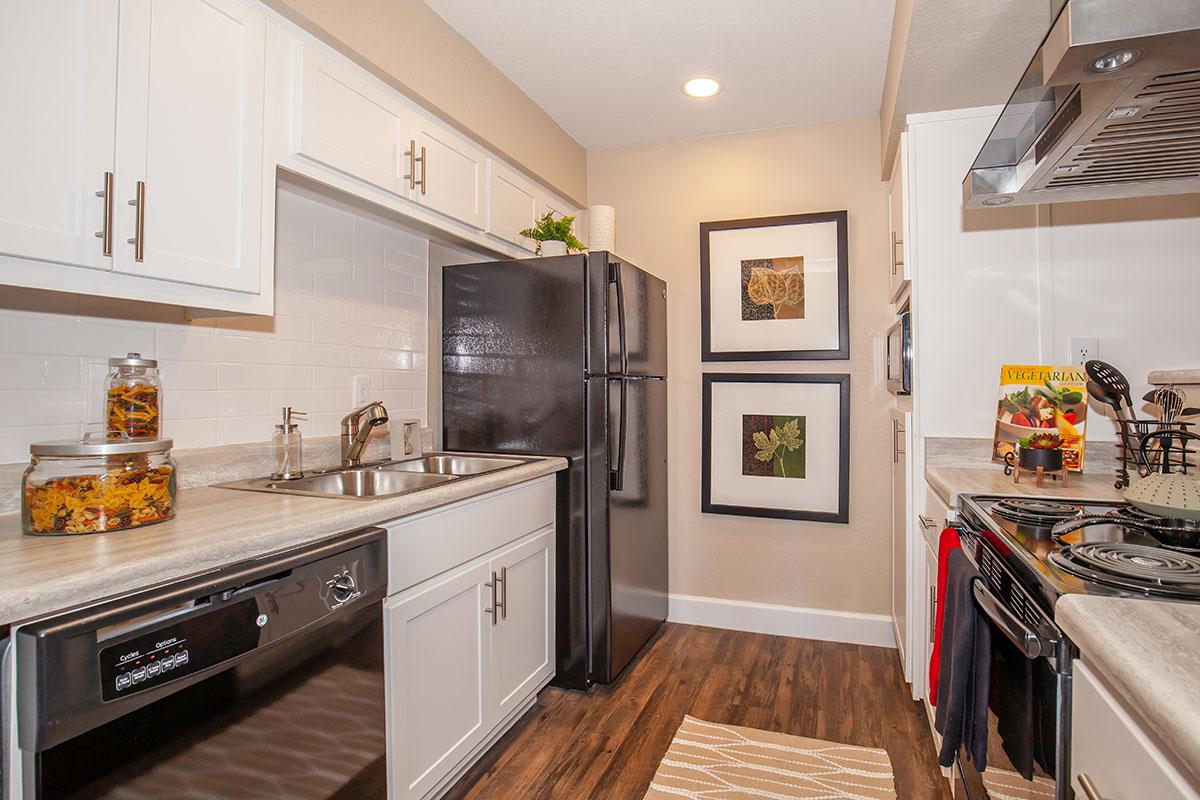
(190, 346)
(257, 376)
(385, 278)
(349, 300)
(308, 307)
(23, 371)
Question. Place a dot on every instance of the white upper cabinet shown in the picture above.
(190, 141)
(451, 173)
(352, 124)
(900, 273)
(58, 74)
(512, 205)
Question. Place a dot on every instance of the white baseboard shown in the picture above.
(802, 623)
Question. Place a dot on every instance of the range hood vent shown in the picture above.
(1072, 131)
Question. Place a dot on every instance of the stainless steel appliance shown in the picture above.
(263, 679)
(1031, 551)
(568, 356)
(1107, 108)
(900, 355)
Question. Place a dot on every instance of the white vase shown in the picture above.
(553, 247)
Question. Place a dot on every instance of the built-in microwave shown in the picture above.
(900, 355)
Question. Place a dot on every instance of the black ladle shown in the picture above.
(1112, 379)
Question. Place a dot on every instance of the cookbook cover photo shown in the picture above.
(1043, 400)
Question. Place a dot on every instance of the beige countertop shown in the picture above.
(1148, 652)
(949, 482)
(213, 527)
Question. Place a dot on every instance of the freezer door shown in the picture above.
(627, 319)
(627, 485)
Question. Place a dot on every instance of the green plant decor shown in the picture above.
(547, 228)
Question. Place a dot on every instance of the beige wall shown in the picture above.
(407, 44)
(662, 192)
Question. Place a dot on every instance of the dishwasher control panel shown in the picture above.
(172, 650)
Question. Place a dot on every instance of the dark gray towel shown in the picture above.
(962, 709)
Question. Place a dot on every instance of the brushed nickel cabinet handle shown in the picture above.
(495, 606)
(411, 152)
(1089, 789)
(927, 523)
(105, 234)
(897, 451)
(139, 226)
(424, 170)
(503, 604)
(897, 262)
(932, 613)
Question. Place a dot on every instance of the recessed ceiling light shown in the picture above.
(701, 87)
(1115, 60)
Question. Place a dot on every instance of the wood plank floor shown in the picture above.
(606, 744)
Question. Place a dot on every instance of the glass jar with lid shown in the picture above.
(97, 484)
(133, 397)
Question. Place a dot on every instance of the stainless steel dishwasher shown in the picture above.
(260, 680)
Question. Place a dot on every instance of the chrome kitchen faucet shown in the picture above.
(356, 428)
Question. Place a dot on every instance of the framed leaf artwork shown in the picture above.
(775, 288)
(776, 445)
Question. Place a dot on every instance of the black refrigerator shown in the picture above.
(568, 356)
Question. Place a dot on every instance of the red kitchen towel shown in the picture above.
(948, 543)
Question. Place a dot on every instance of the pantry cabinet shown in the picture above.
(902, 587)
(189, 142)
(469, 630)
(58, 74)
(899, 275)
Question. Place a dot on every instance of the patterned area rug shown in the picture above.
(707, 761)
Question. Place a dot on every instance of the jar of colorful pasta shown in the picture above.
(133, 397)
(97, 484)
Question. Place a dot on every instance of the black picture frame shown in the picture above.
(841, 352)
(842, 515)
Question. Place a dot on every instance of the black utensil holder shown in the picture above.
(1182, 456)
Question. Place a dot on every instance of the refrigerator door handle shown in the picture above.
(616, 471)
(614, 276)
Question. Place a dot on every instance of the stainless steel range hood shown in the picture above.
(1109, 107)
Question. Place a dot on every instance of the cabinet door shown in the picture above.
(523, 646)
(899, 276)
(351, 124)
(439, 686)
(512, 205)
(900, 511)
(58, 76)
(190, 127)
(1112, 753)
(452, 173)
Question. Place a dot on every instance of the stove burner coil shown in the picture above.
(1035, 512)
(1144, 567)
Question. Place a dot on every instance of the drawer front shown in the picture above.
(426, 545)
(1109, 747)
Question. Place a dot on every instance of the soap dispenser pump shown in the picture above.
(287, 447)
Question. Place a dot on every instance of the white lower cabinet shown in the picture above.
(468, 649)
(1112, 758)
(439, 672)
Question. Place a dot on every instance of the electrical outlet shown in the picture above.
(1083, 350)
(361, 391)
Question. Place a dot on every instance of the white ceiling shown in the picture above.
(608, 71)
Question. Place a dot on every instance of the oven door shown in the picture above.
(1029, 695)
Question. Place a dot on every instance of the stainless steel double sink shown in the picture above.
(385, 478)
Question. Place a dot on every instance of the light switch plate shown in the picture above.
(361, 391)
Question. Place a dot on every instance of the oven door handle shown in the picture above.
(1033, 644)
